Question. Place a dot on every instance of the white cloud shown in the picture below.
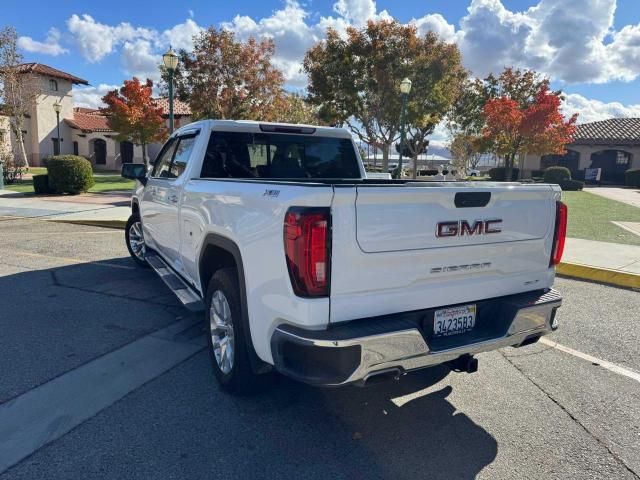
(140, 61)
(50, 46)
(357, 12)
(96, 40)
(434, 22)
(571, 43)
(590, 110)
(181, 35)
(91, 97)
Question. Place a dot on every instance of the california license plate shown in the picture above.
(454, 320)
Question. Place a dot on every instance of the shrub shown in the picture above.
(556, 174)
(632, 177)
(571, 185)
(41, 184)
(498, 174)
(69, 174)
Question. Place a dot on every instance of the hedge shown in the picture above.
(498, 174)
(632, 177)
(571, 185)
(41, 184)
(69, 174)
(556, 174)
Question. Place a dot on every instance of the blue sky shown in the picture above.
(589, 48)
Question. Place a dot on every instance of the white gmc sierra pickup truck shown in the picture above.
(305, 266)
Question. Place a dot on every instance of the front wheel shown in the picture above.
(135, 240)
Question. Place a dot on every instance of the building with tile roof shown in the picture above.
(613, 145)
(83, 131)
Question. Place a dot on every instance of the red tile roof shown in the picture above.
(91, 111)
(92, 121)
(618, 131)
(179, 107)
(43, 69)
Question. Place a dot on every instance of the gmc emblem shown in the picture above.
(462, 228)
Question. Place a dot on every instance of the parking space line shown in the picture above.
(73, 260)
(45, 413)
(612, 367)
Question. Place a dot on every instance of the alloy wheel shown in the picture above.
(221, 326)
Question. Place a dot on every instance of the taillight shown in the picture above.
(306, 244)
(560, 234)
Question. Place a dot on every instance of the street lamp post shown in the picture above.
(170, 60)
(405, 88)
(57, 107)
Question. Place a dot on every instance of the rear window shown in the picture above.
(276, 155)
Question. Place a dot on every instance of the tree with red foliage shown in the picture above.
(538, 128)
(132, 113)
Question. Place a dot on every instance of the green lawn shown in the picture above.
(104, 183)
(590, 218)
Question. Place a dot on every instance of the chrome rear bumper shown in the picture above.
(353, 351)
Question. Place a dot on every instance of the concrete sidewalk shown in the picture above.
(107, 209)
(630, 196)
(611, 263)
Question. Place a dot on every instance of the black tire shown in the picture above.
(240, 378)
(133, 220)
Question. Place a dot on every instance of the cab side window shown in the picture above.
(182, 155)
(162, 166)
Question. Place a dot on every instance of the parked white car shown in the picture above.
(306, 267)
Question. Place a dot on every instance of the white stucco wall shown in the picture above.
(42, 126)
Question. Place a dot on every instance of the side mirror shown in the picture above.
(135, 171)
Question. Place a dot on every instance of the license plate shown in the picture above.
(454, 320)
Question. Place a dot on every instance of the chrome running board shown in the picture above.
(187, 296)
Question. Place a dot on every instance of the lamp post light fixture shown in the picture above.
(170, 60)
(57, 107)
(405, 89)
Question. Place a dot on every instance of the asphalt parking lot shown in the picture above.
(104, 375)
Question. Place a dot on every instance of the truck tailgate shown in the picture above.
(414, 246)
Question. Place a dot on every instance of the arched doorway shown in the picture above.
(126, 152)
(613, 164)
(571, 160)
(99, 151)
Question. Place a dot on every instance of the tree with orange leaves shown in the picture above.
(132, 113)
(539, 128)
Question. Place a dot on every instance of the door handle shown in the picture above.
(173, 198)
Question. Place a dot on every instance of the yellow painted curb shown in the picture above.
(597, 274)
(93, 223)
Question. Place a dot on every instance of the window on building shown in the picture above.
(622, 158)
(56, 146)
(53, 85)
(75, 148)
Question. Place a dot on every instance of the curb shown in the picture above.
(120, 224)
(598, 274)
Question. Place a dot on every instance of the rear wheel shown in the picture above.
(135, 240)
(228, 349)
